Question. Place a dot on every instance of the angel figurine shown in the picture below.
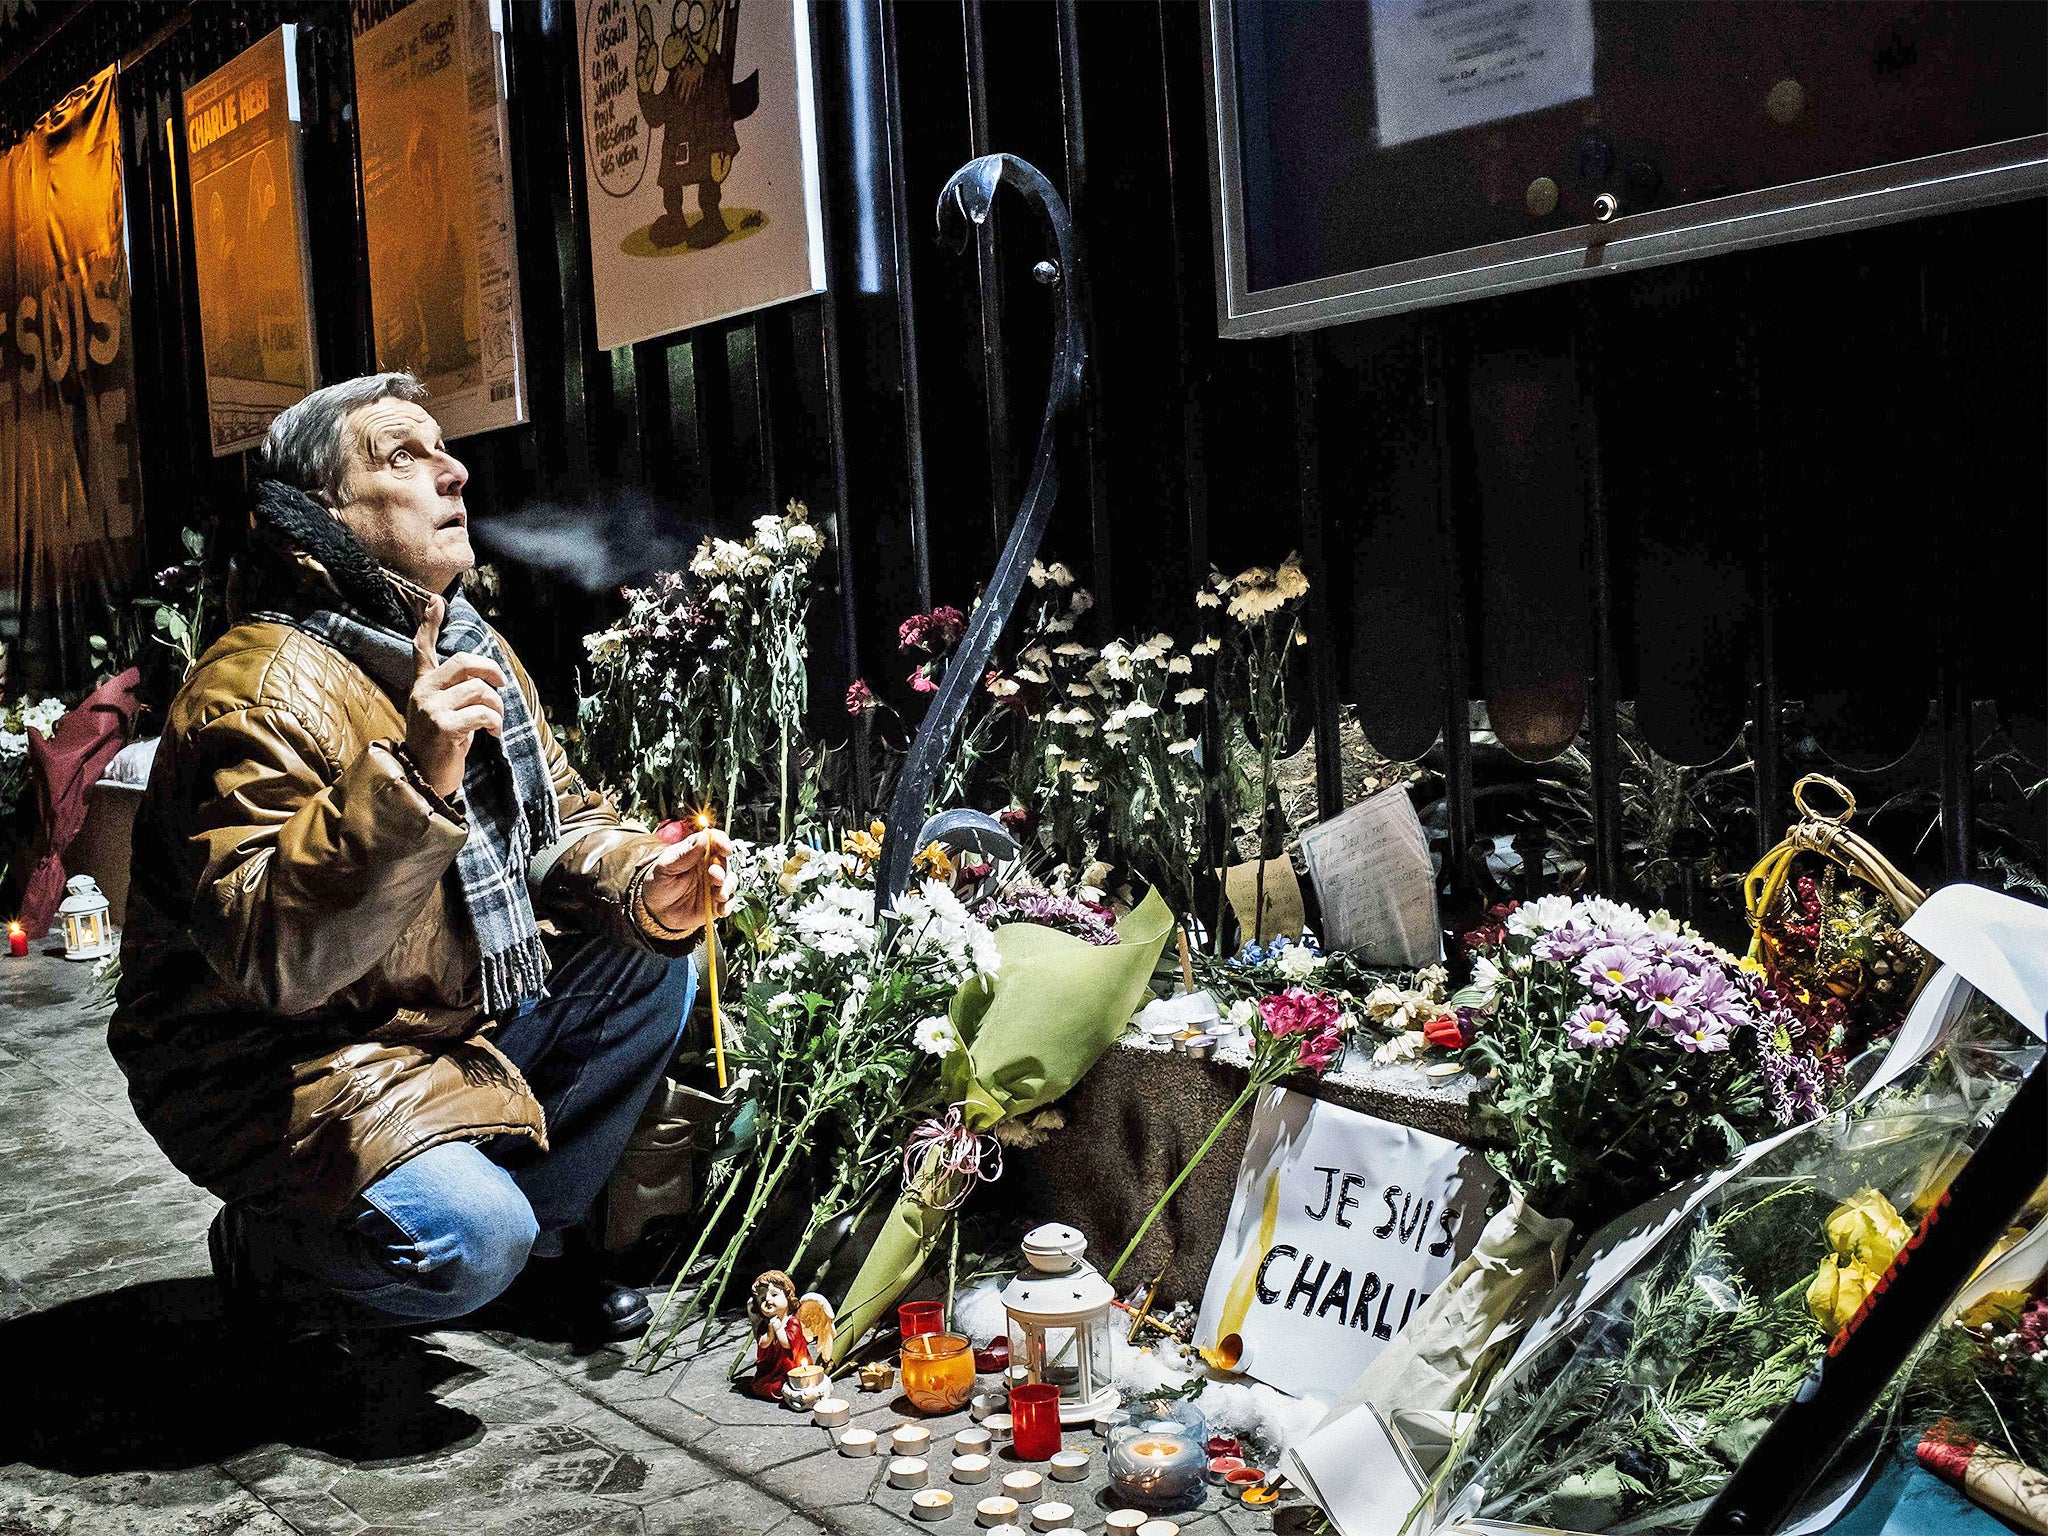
(792, 1339)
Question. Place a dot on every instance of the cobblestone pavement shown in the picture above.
(132, 1414)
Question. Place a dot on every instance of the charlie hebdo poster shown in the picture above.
(1341, 1228)
(248, 237)
(701, 161)
(437, 209)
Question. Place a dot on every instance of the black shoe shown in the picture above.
(569, 1298)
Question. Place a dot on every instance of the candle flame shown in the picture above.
(13, 929)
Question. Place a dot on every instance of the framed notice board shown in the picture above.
(1386, 155)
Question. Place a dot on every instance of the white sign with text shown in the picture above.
(1341, 1228)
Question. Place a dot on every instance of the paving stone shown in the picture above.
(724, 1510)
(827, 1479)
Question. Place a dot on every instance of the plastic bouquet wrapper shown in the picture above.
(1027, 1036)
(1655, 1367)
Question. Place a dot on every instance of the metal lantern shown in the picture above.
(87, 933)
(1059, 1311)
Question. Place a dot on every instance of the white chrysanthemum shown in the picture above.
(768, 532)
(1059, 575)
(1207, 599)
(1080, 601)
(1208, 647)
(784, 1000)
(1116, 661)
(1541, 916)
(1486, 976)
(936, 1035)
(1038, 573)
(1180, 666)
(839, 921)
(805, 539)
(1072, 648)
(1191, 696)
(1138, 709)
(1182, 748)
(1624, 922)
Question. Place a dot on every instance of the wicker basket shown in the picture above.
(1884, 988)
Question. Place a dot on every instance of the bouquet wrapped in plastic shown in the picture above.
(1654, 1369)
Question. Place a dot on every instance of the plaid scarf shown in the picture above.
(511, 798)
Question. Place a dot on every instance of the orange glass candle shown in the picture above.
(938, 1371)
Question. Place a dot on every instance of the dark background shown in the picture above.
(1801, 487)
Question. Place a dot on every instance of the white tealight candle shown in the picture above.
(857, 1442)
(910, 1440)
(970, 1469)
(984, 1404)
(998, 1510)
(1158, 1528)
(1069, 1466)
(1000, 1426)
(1053, 1517)
(973, 1442)
(931, 1504)
(1023, 1486)
(831, 1412)
(1126, 1521)
(909, 1472)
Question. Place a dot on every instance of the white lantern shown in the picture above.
(87, 933)
(1059, 1311)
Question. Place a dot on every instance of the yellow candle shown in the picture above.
(938, 1371)
(704, 824)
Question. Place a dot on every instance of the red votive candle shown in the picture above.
(17, 940)
(918, 1318)
(1035, 1421)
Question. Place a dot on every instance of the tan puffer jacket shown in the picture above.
(299, 1010)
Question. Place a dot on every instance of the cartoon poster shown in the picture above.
(1342, 1226)
(437, 209)
(248, 239)
(701, 161)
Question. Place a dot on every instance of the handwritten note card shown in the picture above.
(1442, 65)
(1372, 875)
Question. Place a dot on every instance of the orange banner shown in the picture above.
(70, 477)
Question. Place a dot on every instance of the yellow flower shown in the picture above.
(865, 846)
(1993, 1307)
(933, 861)
(1865, 1231)
(791, 868)
(1837, 1293)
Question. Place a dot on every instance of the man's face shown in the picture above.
(403, 493)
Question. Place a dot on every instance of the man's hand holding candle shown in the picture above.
(688, 880)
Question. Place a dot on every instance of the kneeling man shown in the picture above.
(338, 1010)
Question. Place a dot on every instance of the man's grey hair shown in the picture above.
(304, 446)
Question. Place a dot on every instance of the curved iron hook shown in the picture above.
(964, 203)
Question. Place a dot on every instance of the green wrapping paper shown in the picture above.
(1053, 1008)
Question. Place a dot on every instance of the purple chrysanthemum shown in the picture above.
(1662, 991)
(1700, 1033)
(1595, 1027)
(1566, 943)
(1610, 971)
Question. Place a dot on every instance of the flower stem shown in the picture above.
(1251, 1090)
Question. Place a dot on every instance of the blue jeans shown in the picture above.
(448, 1229)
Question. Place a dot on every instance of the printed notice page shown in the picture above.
(1441, 65)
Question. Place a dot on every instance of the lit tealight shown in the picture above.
(996, 1510)
(910, 1440)
(858, 1442)
(1052, 1516)
(831, 1412)
(909, 1472)
(970, 1469)
(1069, 1466)
(931, 1504)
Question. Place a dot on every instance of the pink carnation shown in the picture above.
(1298, 1011)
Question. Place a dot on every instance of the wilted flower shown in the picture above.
(860, 698)
(1182, 748)
(1191, 696)
(1208, 647)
